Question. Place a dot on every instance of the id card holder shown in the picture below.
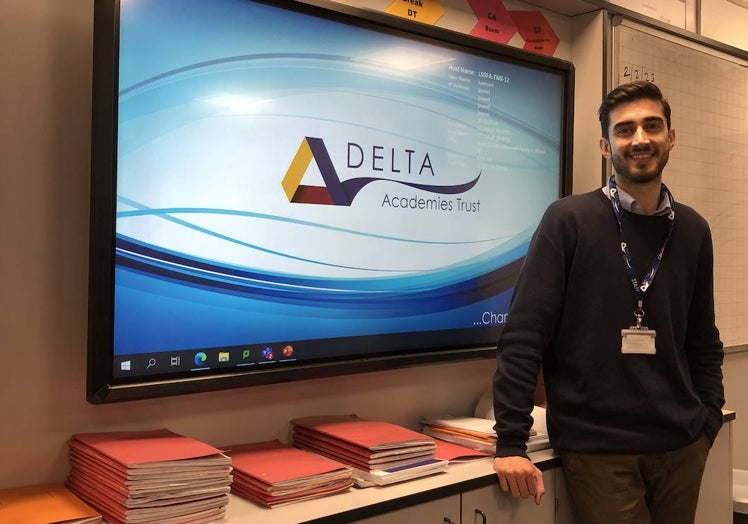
(638, 341)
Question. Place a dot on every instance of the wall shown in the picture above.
(735, 370)
(45, 59)
(587, 56)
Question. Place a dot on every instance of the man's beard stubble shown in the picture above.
(639, 176)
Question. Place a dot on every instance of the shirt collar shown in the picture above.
(629, 204)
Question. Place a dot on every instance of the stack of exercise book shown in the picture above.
(456, 453)
(473, 432)
(379, 453)
(143, 477)
(274, 474)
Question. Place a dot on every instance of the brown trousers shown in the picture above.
(653, 488)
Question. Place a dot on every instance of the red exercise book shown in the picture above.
(370, 434)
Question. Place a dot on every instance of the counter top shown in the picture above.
(358, 503)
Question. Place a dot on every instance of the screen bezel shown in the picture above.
(102, 387)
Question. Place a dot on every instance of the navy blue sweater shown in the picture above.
(571, 301)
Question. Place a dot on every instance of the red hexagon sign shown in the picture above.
(494, 21)
(538, 34)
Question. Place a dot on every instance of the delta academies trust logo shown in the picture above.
(334, 192)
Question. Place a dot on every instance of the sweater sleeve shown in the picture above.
(703, 345)
(533, 315)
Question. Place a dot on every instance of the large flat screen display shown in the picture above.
(283, 191)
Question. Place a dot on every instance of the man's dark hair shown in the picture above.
(628, 93)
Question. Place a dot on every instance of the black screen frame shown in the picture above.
(102, 387)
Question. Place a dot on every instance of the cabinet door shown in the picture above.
(439, 511)
(564, 512)
(715, 498)
(490, 506)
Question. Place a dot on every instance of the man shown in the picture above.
(615, 301)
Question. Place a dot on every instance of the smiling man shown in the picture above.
(615, 304)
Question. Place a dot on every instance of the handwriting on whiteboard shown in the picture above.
(633, 72)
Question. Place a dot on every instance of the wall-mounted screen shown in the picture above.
(283, 191)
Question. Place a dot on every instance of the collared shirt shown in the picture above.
(629, 204)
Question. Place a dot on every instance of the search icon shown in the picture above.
(151, 363)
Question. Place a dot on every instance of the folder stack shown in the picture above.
(274, 474)
(379, 453)
(144, 477)
(43, 504)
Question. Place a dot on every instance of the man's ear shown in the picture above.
(605, 147)
(671, 135)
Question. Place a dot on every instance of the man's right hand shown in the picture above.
(520, 477)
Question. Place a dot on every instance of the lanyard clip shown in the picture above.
(639, 314)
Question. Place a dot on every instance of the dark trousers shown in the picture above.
(653, 488)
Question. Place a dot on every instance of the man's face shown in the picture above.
(640, 142)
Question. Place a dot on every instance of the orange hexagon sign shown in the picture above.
(425, 11)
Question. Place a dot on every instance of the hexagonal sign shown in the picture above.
(494, 21)
(425, 11)
(538, 34)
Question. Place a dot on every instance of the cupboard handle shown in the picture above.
(448, 520)
(482, 516)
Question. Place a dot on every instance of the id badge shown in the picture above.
(638, 341)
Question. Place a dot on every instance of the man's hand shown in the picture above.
(520, 477)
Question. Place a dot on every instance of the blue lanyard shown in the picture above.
(639, 289)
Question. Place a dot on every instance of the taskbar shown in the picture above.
(201, 360)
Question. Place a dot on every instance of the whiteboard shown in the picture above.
(708, 168)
